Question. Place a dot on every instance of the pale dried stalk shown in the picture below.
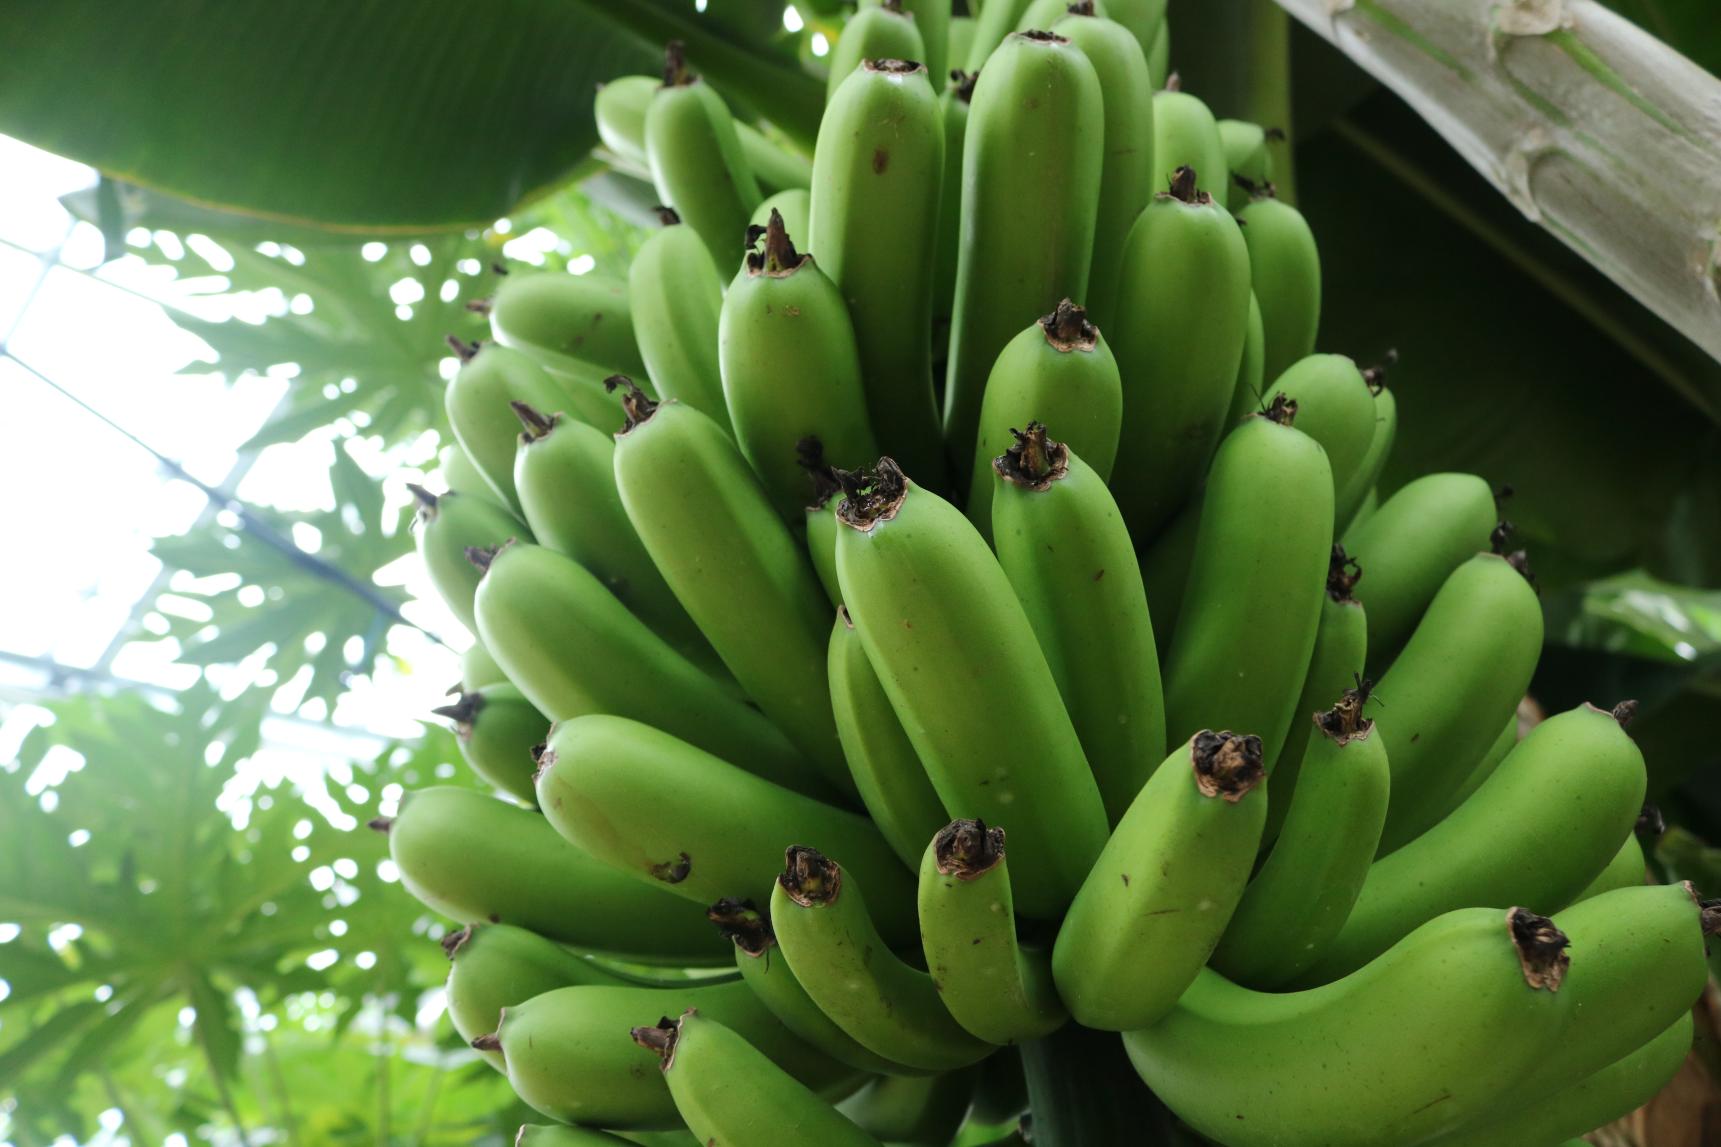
(1595, 129)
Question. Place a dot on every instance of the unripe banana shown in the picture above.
(1246, 630)
(1366, 508)
(795, 206)
(568, 1055)
(734, 566)
(554, 316)
(1537, 832)
(619, 109)
(1143, 18)
(477, 400)
(1361, 491)
(1429, 528)
(997, 20)
(496, 966)
(932, 20)
(1285, 268)
(1160, 895)
(914, 1111)
(874, 229)
(893, 786)
(1031, 163)
(777, 166)
(993, 987)
(1335, 406)
(791, 370)
(881, 31)
(955, 652)
(1609, 1094)
(1159, 60)
(1042, 14)
(773, 981)
(1300, 898)
(891, 1008)
(1063, 545)
(1461, 674)
(961, 39)
(696, 160)
(728, 1091)
(1126, 174)
(676, 293)
(1185, 134)
(497, 729)
(449, 525)
(565, 474)
(473, 857)
(1251, 384)
(1625, 870)
(459, 475)
(820, 522)
(478, 668)
(666, 813)
(555, 1135)
(953, 104)
(1185, 287)
(1247, 159)
(1341, 648)
(1421, 1040)
(1508, 736)
(1058, 371)
(573, 649)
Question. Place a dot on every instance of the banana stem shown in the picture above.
(1587, 124)
(1082, 1090)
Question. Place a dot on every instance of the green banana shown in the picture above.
(961, 38)
(477, 400)
(1063, 545)
(1144, 19)
(555, 1135)
(735, 567)
(1300, 898)
(777, 166)
(794, 205)
(473, 857)
(449, 525)
(496, 966)
(676, 294)
(932, 19)
(1159, 71)
(1606, 1095)
(955, 653)
(573, 649)
(666, 813)
(878, 31)
(1247, 627)
(1627, 869)
(953, 104)
(460, 475)
(478, 668)
(1247, 159)
(568, 1056)
(565, 474)
(828, 936)
(1361, 491)
(1126, 174)
(893, 786)
(1185, 134)
(1460, 675)
(696, 160)
(1251, 385)
(1341, 647)
(791, 370)
(497, 729)
(1285, 268)
(820, 520)
(1421, 1040)
(1508, 736)
(1537, 832)
(767, 972)
(1185, 286)
(914, 1111)
(1027, 233)
(1369, 504)
(994, 988)
(553, 316)
(876, 180)
(1043, 14)
(730, 1092)
(1430, 527)
(1335, 407)
(619, 109)
(996, 21)
(1160, 895)
(1058, 371)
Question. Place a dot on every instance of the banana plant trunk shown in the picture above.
(1592, 127)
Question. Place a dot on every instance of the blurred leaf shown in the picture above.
(1638, 615)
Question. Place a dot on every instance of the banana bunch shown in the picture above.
(941, 596)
